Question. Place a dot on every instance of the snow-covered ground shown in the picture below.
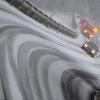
(33, 57)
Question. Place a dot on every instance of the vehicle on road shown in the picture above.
(90, 48)
(87, 29)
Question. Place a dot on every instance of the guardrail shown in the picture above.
(28, 9)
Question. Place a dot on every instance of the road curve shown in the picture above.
(36, 65)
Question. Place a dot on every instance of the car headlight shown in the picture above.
(85, 45)
(93, 51)
(85, 31)
(90, 36)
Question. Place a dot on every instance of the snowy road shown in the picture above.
(33, 60)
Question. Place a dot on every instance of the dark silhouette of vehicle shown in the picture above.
(90, 48)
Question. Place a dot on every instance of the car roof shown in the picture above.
(93, 45)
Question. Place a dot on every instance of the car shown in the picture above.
(90, 48)
(87, 29)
